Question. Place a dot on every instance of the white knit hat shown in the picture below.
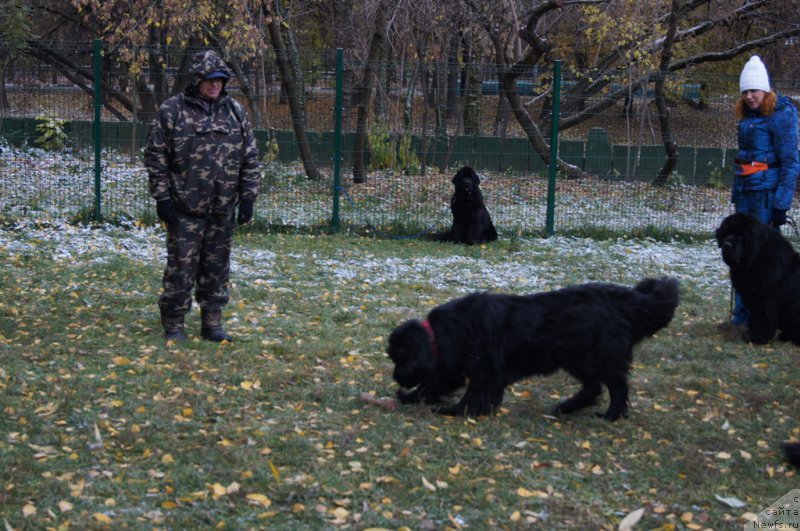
(754, 76)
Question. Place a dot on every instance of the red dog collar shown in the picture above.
(432, 337)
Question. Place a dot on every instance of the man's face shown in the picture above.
(210, 89)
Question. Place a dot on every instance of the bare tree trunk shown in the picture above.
(453, 75)
(367, 85)
(441, 110)
(661, 100)
(4, 106)
(501, 115)
(471, 86)
(295, 104)
(345, 38)
(538, 47)
(382, 86)
(408, 109)
(80, 77)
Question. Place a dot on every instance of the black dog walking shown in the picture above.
(471, 221)
(489, 341)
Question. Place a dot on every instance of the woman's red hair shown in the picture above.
(767, 106)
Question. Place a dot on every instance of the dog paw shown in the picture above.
(747, 337)
(448, 411)
(408, 397)
(606, 416)
(611, 417)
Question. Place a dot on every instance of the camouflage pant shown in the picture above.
(198, 251)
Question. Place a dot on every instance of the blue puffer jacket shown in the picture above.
(771, 139)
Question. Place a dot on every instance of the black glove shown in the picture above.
(166, 211)
(778, 217)
(245, 212)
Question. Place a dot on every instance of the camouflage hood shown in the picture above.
(203, 63)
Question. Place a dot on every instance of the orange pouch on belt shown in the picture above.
(746, 169)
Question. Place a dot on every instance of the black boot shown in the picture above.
(211, 326)
(173, 328)
(176, 336)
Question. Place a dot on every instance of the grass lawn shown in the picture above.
(105, 426)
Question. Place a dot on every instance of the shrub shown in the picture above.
(51, 133)
(715, 180)
(382, 149)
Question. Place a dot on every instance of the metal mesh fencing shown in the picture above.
(424, 121)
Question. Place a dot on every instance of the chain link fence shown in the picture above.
(425, 120)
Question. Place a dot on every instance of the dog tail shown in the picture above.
(792, 452)
(660, 297)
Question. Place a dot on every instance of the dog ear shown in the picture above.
(411, 342)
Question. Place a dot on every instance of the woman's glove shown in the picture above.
(245, 212)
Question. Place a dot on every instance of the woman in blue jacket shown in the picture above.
(767, 164)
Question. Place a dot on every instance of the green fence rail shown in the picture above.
(95, 172)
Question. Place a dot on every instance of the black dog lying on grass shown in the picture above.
(489, 341)
(471, 221)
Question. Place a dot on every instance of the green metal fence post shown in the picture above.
(551, 181)
(98, 137)
(337, 140)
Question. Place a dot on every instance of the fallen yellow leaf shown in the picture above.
(218, 491)
(274, 471)
(102, 518)
(525, 493)
(340, 513)
(259, 499)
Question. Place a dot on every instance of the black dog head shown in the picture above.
(410, 350)
(467, 184)
(739, 237)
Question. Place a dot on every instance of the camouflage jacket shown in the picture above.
(202, 154)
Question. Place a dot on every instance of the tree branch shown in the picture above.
(76, 74)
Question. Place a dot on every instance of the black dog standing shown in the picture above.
(471, 221)
(488, 341)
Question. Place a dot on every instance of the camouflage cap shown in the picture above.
(205, 63)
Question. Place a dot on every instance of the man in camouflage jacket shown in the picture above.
(202, 162)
